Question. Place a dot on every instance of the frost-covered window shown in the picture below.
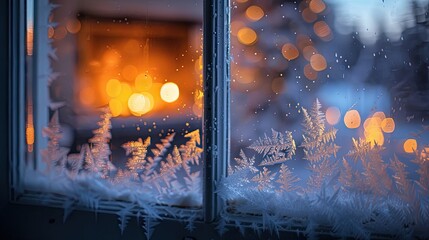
(329, 117)
(113, 103)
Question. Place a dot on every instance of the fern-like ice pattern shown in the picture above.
(361, 193)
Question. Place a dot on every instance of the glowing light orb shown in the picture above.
(309, 72)
(115, 106)
(289, 51)
(113, 88)
(352, 119)
(254, 13)
(322, 29)
(333, 115)
(308, 15)
(143, 82)
(410, 145)
(247, 36)
(169, 92)
(136, 103)
(318, 62)
(73, 26)
(374, 136)
(388, 125)
(317, 6)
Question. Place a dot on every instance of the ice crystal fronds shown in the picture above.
(264, 180)
(287, 179)
(277, 149)
(245, 163)
(319, 147)
(54, 155)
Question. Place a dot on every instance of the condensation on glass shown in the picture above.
(114, 100)
(330, 105)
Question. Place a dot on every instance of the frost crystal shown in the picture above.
(54, 155)
(264, 179)
(277, 149)
(319, 146)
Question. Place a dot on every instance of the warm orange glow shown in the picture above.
(308, 15)
(318, 62)
(126, 92)
(169, 92)
(29, 130)
(111, 57)
(86, 96)
(51, 32)
(136, 104)
(333, 115)
(388, 125)
(129, 72)
(380, 115)
(113, 88)
(374, 136)
(410, 145)
(289, 51)
(322, 29)
(132, 47)
(309, 72)
(277, 85)
(372, 122)
(236, 26)
(150, 102)
(317, 6)
(247, 36)
(246, 75)
(73, 26)
(352, 119)
(143, 82)
(254, 13)
(303, 41)
(197, 109)
(115, 106)
(30, 41)
(309, 51)
(241, 1)
(60, 32)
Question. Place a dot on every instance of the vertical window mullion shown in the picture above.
(216, 101)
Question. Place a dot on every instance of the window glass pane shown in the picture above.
(330, 113)
(115, 105)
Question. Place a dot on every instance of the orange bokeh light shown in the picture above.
(143, 82)
(129, 72)
(317, 6)
(318, 62)
(309, 51)
(309, 72)
(321, 29)
(86, 96)
(374, 136)
(410, 145)
(352, 119)
(169, 92)
(247, 36)
(308, 15)
(254, 13)
(113, 87)
(289, 51)
(115, 106)
(333, 115)
(388, 125)
(73, 25)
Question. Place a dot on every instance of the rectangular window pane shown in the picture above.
(115, 100)
(330, 114)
